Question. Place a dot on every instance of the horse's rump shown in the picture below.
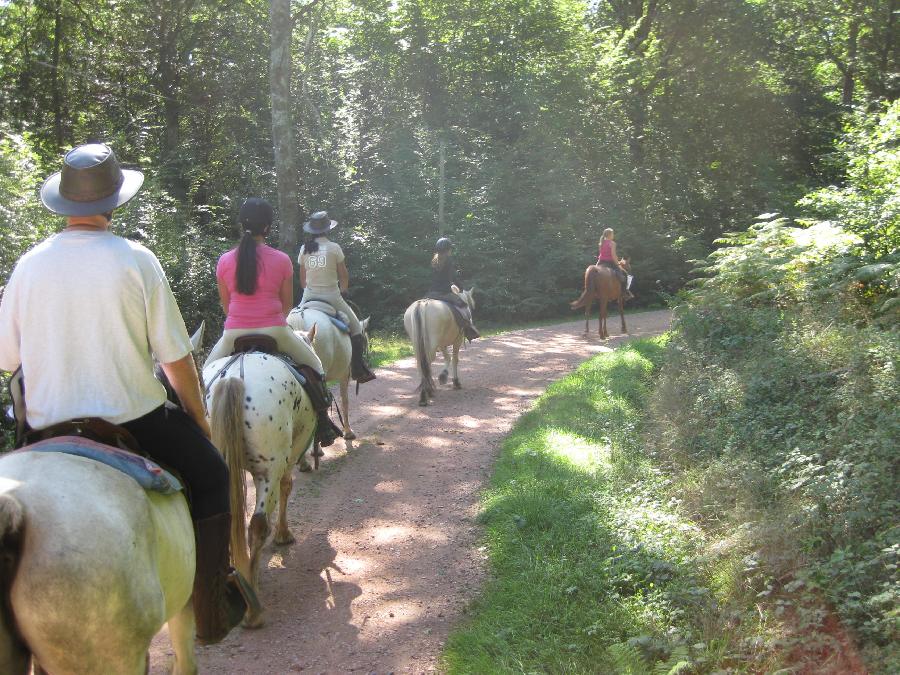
(596, 279)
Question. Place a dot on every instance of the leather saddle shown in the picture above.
(265, 344)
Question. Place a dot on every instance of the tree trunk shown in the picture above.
(287, 177)
(57, 85)
(850, 72)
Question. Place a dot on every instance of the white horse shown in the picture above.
(431, 327)
(262, 420)
(91, 567)
(333, 348)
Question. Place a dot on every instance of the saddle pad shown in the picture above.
(340, 325)
(147, 473)
(339, 319)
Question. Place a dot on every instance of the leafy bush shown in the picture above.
(782, 384)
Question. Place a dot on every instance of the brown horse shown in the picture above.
(602, 284)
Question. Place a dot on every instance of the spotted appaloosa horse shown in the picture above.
(91, 567)
(431, 327)
(262, 421)
(601, 284)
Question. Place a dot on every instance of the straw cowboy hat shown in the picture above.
(319, 223)
(91, 182)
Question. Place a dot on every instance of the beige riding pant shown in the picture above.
(334, 299)
(288, 343)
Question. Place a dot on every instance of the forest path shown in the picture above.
(387, 553)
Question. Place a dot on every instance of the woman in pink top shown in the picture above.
(256, 290)
(607, 258)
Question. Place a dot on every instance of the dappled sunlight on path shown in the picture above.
(386, 554)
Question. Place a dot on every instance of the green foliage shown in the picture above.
(868, 204)
(666, 121)
(779, 402)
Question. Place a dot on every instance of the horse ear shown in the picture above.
(365, 323)
(197, 338)
(312, 332)
(472, 290)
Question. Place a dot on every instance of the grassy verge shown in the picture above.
(593, 569)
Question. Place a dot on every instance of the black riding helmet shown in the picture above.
(443, 244)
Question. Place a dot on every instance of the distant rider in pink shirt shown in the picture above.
(607, 258)
(257, 292)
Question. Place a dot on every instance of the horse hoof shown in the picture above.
(284, 539)
(423, 400)
(349, 436)
(303, 465)
(253, 621)
(456, 384)
(442, 378)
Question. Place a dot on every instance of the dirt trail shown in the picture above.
(387, 544)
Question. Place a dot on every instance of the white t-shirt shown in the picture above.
(321, 266)
(81, 313)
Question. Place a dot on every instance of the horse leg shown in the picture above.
(603, 333)
(455, 364)
(622, 312)
(282, 532)
(349, 434)
(181, 632)
(259, 523)
(587, 316)
(442, 378)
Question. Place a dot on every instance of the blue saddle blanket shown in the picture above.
(149, 475)
(337, 318)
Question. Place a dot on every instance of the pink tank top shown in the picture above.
(606, 250)
(263, 308)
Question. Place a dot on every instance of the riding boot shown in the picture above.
(221, 596)
(359, 369)
(327, 432)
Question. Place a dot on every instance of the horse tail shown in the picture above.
(15, 656)
(227, 417)
(420, 345)
(585, 296)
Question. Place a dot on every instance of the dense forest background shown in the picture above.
(520, 128)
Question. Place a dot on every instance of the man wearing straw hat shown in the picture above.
(84, 314)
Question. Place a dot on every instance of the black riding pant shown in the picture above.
(169, 436)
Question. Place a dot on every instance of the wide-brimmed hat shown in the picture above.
(319, 223)
(91, 182)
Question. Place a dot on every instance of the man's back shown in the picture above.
(85, 309)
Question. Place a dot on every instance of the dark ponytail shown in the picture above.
(255, 218)
(310, 245)
(246, 264)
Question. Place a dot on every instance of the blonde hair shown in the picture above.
(439, 259)
(607, 233)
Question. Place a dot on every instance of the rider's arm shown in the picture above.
(286, 292)
(612, 253)
(224, 296)
(183, 377)
(343, 276)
